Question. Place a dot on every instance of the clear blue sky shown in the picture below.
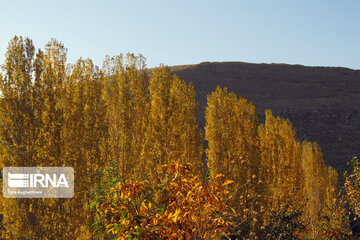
(308, 32)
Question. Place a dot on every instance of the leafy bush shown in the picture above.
(182, 206)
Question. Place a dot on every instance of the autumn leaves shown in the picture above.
(135, 124)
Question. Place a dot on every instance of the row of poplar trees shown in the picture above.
(58, 114)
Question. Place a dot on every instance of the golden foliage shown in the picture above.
(54, 114)
(53, 117)
(186, 209)
(352, 187)
(172, 131)
(231, 133)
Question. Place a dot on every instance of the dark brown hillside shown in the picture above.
(322, 102)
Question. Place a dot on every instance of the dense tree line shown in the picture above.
(122, 125)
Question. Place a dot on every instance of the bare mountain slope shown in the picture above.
(322, 102)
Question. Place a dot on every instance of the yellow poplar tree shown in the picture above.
(315, 173)
(172, 133)
(185, 139)
(280, 160)
(231, 133)
(48, 98)
(320, 184)
(82, 135)
(126, 95)
(17, 128)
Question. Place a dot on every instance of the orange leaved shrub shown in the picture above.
(181, 207)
